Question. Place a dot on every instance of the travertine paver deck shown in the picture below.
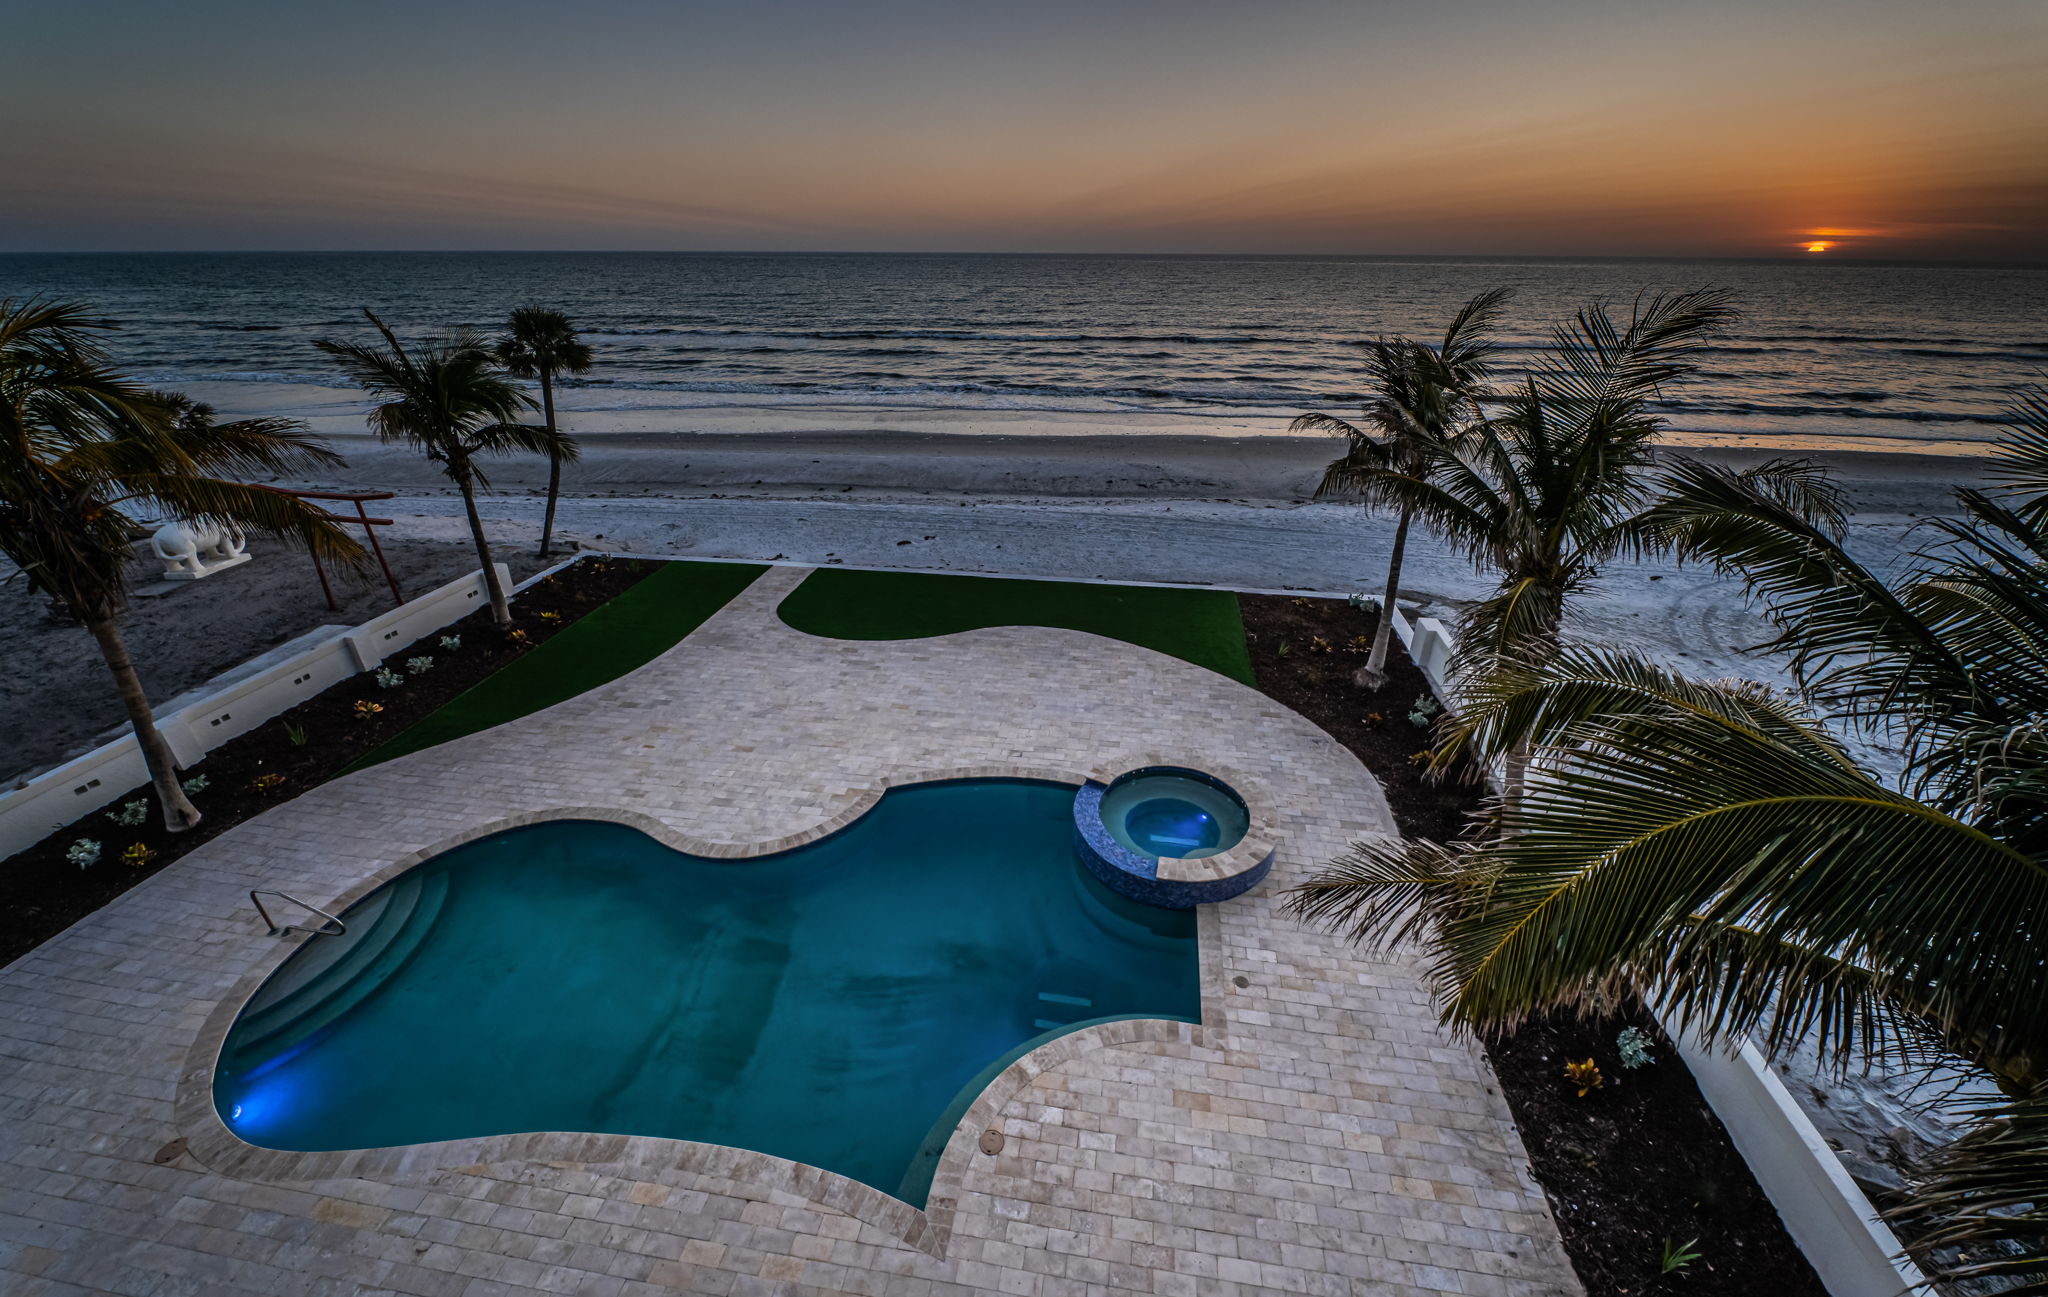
(1317, 1134)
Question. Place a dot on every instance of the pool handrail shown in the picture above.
(256, 895)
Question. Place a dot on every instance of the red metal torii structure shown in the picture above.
(362, 519)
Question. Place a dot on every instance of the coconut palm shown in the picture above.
(1544, 490)
(540, 343)
(1419, 395)
(450, 398)
(1715, 844)
(1549, 486)
(85, 454)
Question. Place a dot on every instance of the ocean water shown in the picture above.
(1865, 355)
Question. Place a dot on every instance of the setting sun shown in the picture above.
(1818, 247)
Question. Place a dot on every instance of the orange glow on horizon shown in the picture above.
(1819, 247)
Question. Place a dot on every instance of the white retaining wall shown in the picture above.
(61, 796)
(1853, 1251)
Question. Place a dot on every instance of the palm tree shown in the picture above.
(1549, 487)
(1715, 844)
(540, 343)
(450, 398)
(81, 447)
(1419, 395)
(1544, 490)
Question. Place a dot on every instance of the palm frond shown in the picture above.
(1388, 894)
(1549, 702)
(538, 340)
(1656, 833)
(1847, 635)
(523, 438)
(1978, 1209)
(251, 508)
(2019, 459)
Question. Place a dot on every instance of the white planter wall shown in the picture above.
(1835, 1226)
(77, 788)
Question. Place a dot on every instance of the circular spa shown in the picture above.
(1168, 836)
(1169, 812)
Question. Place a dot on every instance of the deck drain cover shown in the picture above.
(1240, 981)
(991, 1141)
(170, 1152)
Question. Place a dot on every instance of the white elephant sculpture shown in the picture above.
(190, 550)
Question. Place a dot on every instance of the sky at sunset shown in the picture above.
(1877, 128)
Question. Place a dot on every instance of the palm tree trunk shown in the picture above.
(179, 813)
(547, 401)
(501, 612)
(1375, 673)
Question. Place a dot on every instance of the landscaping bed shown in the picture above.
(42, 892)
(1638, 1162)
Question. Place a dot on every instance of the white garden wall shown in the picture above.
(1835, 1226)
(61, 796)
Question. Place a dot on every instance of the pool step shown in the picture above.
(1072, 1008)
(338, 982)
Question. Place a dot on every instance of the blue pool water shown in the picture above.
(1169, 826)
(826, 1005)
(1168, 812)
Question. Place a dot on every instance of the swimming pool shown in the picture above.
(828, 1005)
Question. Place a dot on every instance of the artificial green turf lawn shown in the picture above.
(607, 642)
(1198, 626)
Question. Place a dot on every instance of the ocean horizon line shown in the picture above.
(1461, 258)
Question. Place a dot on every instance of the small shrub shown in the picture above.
(195, 785)
(365, 709)
(1317, 644)
(1424, 712)
(85, 853)
(295, 733)
(132, 814)
(1300, 603)
(1635, 1048)
(1284, 649)
(1585, 1075)
(518, 638)
(551, 618)
(264, 783)
(1362, 602)
(451, 642)
(388, 678)
(138, 855)
(1373, 720)
(420, 665)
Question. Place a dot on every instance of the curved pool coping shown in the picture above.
(210, 1142)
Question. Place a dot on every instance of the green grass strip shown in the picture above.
(618, 636)
(1199, 626)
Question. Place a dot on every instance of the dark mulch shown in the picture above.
(42, 893)
(1304, 653)
(1638, 1161)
